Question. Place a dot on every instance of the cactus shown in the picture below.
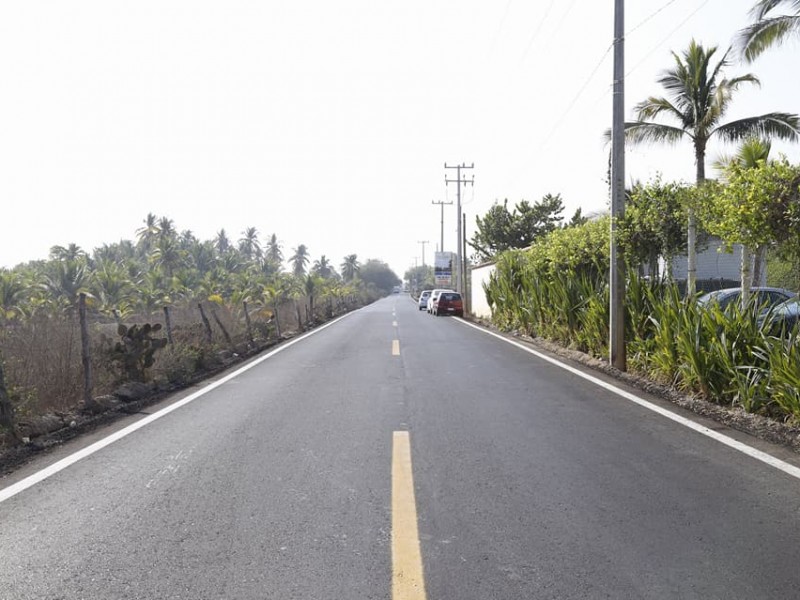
(135, 352)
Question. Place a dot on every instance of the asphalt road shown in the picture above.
(528, 482)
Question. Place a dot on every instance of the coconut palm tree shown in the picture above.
(249, 245)
(111, 286)
(350, 267)
(323, 268)
(751, 153)
(71, 252)
(168, 255)
(221, 242)
(12, 294)
(769, 29)
(299, 260)
(699, 98)
(274, 254)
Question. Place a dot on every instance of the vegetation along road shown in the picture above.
(392, 454)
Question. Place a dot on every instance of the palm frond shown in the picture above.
(785, 126)
(758, 37)
(653, 107)
(764, 7)
(640, 132)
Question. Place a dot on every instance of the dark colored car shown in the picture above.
(449, 303)
(783, 319)
(765, 296)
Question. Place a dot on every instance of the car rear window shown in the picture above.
(450, 297)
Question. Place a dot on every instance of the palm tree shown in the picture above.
(150, 229)
(752, 153)
(12, 294)
(299, 260)
(700, 96)
(274, 253)
(168, 255)
(221, 242)
(111, 285)
(71, 252)
(768, 31)
(249, 245)
(350, 267)
(166, 228)
(323, 268)
(64, 281)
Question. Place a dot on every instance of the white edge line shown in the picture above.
(772, 461)
(67, 461)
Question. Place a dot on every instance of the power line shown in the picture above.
(538, 29)
(652, 15)
(669, 35)
(578, 95)
(500, 27)
(574, 101)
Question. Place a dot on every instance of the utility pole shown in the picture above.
(423, 250)
(616, 342)
(441, 238)
(458, 181)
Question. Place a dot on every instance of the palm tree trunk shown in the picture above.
(691, 236)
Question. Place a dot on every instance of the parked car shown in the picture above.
(765, 296)
(449, 303)
(423, 299)
(783, 318)
(433, 297)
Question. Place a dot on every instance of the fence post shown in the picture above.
(249, 325)
(206, 323)
(6, 408)
(86, 359)
(168, 323)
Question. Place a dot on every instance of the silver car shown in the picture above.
(423, 299)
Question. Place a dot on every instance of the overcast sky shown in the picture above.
(329, 123)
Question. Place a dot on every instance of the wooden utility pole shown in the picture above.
(441, 224)
(616, 342)
(459, 181)
(423, 242)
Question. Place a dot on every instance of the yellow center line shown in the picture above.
(408, 582)
(395, 347)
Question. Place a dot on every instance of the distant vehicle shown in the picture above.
(397, 289)
(765, 296)
(434, 295)
(783, 318)
(423, 299)
(449, 303)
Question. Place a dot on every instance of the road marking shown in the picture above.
(394, 323)
(67, 461)
(408, 582)
(759, 455)
(395, 347)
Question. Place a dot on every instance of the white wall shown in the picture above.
(478, 304)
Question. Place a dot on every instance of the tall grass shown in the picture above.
(724, 356)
